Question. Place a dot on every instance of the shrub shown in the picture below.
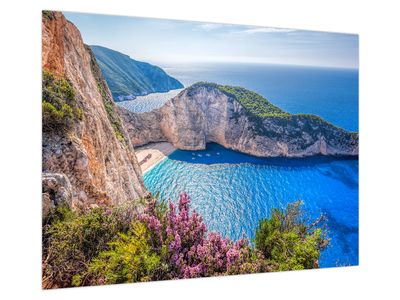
(72, 239)
(129, 259)
(116, 245)
(59, 107)
(169, 244)
(253, 103)
(181, 240)
(48, 14)
(286, 240)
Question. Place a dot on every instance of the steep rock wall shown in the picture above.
(99, 163)
(203, 114)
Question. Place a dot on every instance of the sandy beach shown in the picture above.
(149, 155)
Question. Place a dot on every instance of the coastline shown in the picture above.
(151, 154)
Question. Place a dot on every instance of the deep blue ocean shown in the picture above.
(330, 93)
(233, 191)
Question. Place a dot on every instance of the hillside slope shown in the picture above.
(237, 119)
(128, 78)
(86, 153)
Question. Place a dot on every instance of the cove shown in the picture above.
(233, 191)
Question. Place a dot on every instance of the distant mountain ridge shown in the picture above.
(128, 78)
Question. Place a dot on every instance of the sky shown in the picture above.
(171, 42)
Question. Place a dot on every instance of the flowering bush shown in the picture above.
(181, 239)
(168, 241)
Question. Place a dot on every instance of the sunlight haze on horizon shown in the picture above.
(170, 42)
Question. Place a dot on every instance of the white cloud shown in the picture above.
(243, 29)
(210, 26)
(266, 30)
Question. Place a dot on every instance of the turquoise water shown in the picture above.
(233, 191)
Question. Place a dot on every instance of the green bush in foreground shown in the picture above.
(72, 239)
(109, 245)
(288, 241)
(130, 258)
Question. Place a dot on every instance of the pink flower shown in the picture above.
(191, 252)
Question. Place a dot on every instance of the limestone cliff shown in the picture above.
(207, 112)
(84, 140)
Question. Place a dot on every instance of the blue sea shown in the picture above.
(233, 191)
(328, 92)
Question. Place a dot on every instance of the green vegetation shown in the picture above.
(111, 114)
(59, 107)
(130, 258)
(48, 14)
(72, 239)
(259, 109)
(107, 100)
(254, 104)
(287, 240)
(118, 244)
(127, 77)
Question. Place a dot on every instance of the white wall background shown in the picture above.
(20, 146)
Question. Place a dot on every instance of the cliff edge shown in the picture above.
(84, 140)
(240, 120)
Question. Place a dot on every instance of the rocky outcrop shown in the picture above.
(56, 190)
(94, 153)
(205, 113)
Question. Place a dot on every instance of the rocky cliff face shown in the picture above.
(205, 113)
(92, 154)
